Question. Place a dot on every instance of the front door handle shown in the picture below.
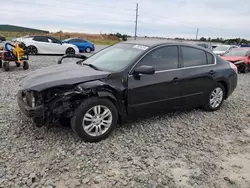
(175, 80)
(211, 72)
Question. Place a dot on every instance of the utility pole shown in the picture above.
(197, 34)
(136, 19)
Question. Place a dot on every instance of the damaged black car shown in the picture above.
(125, 80)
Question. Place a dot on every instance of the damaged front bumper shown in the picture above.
(31, 112)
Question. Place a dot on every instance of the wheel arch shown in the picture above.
(103, 90)
(226, 87)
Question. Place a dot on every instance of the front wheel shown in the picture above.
(88, 50)
(94, 119)
(1, 64)
(216, 98)
(70, 51)
(25, 65)
(32, 50)
(6, 66)
(245, 68)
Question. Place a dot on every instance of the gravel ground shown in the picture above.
(183, 149)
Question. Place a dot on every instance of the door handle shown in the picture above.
(175, 80)
(211, 72)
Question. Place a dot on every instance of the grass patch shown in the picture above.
(104, 42)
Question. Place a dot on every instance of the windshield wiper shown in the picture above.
(92, 66)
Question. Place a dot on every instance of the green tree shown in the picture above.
(203, 39)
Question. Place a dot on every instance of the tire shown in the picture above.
(32, 50)
(25, 65)
(87, 107)
(1, 64)
(87, 50)
(245, 68)
(6, 66)
(209, 106)
(70, 51)
(18, 64)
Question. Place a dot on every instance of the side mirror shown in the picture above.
(144, 69)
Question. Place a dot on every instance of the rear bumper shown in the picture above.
(233, 80)
(36, 112)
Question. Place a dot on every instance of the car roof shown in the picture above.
(153, 43)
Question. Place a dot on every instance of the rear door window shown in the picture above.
(41, 39)
(193, 57)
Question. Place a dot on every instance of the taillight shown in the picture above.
(233, 67)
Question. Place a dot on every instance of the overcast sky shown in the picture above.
(166, 18)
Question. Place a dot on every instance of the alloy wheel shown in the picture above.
(32, 50)
(70, 51)
(216, 97)
(97, 120)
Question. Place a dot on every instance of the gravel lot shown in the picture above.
(183, 149)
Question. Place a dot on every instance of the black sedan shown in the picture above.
(125, 80)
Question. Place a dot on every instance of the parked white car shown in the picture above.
(221, 49)
(46, 45)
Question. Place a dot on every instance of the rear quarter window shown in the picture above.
(210, 58)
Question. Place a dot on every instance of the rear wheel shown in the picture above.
(32, 50)
(245, 68)
(70, 51)
(94, 119)
(25, 65)
(216, 98)
(1, 63)
(18, 64)
(88, 50)
(6, 66)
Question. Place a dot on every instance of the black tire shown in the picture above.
(70, 51)
(6, 66)
(208, 106)
(25, 65)
(84, 107)
(87, 50)
(18, 64)
(32, 50)
(245, 68)
(1, 63)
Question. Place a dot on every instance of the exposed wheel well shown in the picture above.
(226, 88)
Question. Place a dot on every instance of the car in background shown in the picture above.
(221, 49)
(240, 57)
(82, 44)
(2, 38)
(125, 80)
(37, 44)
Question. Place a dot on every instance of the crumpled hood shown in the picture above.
(233, 58)
(60, 74)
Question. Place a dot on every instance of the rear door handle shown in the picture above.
(175, 80)
(211, 72)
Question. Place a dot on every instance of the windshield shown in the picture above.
(116, 57)
(236, 53)
(221, 48)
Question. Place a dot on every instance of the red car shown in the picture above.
(240, 57)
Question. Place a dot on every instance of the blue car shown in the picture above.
(82, 44)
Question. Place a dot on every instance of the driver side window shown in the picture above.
(163, 58)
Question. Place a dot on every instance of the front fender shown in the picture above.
(102, 89)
